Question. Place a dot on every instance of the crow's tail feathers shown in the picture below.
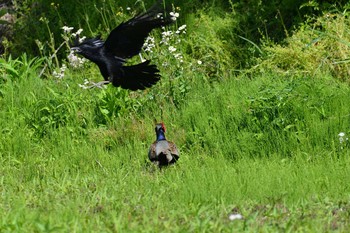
(136, 77)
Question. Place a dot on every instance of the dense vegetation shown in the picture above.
(261, 118)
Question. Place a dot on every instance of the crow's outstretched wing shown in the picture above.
(127, 39)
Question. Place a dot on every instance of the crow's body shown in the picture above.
(125, 41)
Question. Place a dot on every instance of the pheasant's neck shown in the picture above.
(160, 136)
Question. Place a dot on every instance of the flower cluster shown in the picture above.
(171, 39)
(67, 29)
(149, 44)
(60, 74)
(342, 139)
(341, 136)
(172, 49)
(75, 61)
(168, 37)
(178, 56)
(174, 15)
(77, 33)
(85, 84)
(160, 15)
(181, 29)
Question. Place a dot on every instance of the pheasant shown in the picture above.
(163, 152)
(124, 42)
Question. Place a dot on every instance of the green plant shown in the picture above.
(18, 68)
(66, 170)
(54, 112)
(115, 102)
(320, 45)
(272, 107)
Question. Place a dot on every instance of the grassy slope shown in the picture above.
(285, 176)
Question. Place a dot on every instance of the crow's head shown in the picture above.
(87, 45)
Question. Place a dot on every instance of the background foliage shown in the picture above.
(254, 93)
(251, 20)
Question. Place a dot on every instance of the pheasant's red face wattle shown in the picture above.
(163, 126)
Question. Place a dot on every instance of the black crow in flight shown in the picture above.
(125, 41)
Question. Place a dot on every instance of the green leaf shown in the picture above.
(3, 22)
(104, 111)
(3, 12)
(9, 68)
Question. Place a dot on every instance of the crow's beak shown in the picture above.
(75, 49)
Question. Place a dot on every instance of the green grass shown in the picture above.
(262, 144)
(75, 193)
(267, 149)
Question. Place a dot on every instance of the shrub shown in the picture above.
(320, 45)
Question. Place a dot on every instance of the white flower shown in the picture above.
(128, 8)
(55, 74)
(172, 49)
(174, 15)
(167, 33)
(199, 62)
(63, 68)
(77, 32)
(182, 29)
(160, 15)
(166, 36)
(233, 217)
(179, 57)
(67, 29)
(149, 44)
(83, 86)
(82, 39)
(60, 74)
(341, 138)
(75, 61)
